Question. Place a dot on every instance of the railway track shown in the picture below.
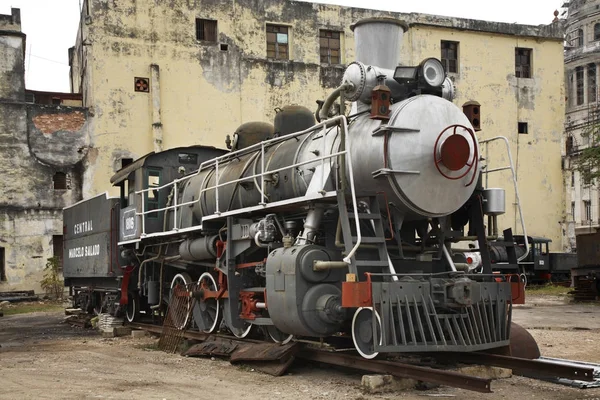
(538, 368)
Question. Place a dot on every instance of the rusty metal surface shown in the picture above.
(447, 378)
(264, 351)
(219, 347)
(177, 318)
(522, 344)
(274, 368)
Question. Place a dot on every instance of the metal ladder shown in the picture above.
(372, 215)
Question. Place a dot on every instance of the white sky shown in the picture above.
(51, 26)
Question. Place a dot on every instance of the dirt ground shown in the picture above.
(42, 358)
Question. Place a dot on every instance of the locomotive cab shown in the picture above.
(144, 187)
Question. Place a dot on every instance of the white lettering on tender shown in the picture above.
(85, 251)
(82, 227)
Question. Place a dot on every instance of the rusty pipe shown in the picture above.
(319, 265)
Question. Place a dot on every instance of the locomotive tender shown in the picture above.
(319, 225)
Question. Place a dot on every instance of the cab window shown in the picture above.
(153, 181)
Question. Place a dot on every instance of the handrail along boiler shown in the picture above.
(312, 228)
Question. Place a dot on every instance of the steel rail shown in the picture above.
(401, 370)
(521, 365)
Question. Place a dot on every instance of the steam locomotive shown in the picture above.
(319, 225)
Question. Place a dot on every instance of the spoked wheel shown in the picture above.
(362, 332)
(277, 336)
(133, 307)
(237, 332)
(180, 319)
(207, 313)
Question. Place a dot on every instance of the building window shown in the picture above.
(592, 87)
(2, 266)
(206, 30)
(579, 85)
(579, 37)
(277, 42)
(570, 145)
(597, 31)
(573, 210)
(587, 209)
(60, 181)
(523, 128)
(572, 179)
(523, 63)
(450, 56)
(329, 42)
(57, 247)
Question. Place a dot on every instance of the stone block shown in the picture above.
(484, 371)
(122, 331)
(386, 383)
(108, 333)
(138, 334)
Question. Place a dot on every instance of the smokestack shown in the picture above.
(378, 41)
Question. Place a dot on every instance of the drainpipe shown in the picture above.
(157, 131)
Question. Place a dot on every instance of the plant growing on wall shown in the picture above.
(52, 282)
(588, 160)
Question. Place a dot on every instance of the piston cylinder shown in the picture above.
(203, 248)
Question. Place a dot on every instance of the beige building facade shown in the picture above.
(582, 59)
(158, 75)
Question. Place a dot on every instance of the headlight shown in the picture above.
(433, 72)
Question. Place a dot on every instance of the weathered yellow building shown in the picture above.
(158, 75)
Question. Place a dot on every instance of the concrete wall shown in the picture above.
(205, 93)
(36, 142)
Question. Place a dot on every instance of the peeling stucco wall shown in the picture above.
(583, 115)
(207, 93)
(36, 142)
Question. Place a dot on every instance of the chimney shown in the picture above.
(378, 41)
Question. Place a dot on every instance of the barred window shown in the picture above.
(579, 85)
(206, 30)
(587, 208)
(60, 181)
(329, 42)
(450, 56)
(277, 42)
(523, 63)
(592, 83)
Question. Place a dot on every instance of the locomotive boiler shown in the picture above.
(335, 223)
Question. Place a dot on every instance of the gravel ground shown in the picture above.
(42, 358)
